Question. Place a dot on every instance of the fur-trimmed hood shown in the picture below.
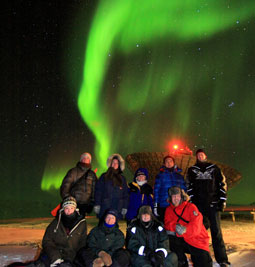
(120, 159)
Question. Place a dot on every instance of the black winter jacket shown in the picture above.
(206, 184)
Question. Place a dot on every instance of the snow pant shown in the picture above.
(120, 258)
(138, 261)
(199, 257)
(211, 218)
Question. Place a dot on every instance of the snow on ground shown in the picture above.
(20, 240)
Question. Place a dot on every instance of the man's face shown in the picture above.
(201, 156)
(141, 178)
(86, 160)
(115, 164)
(146, 217)
(68, 210)
(176, 199)
(169, 163)
(110, 219)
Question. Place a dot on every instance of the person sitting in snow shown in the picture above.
(140, 193)
(105, 244)
(148, 242)
(187, 234)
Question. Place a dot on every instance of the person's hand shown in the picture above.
(56, 263)
(180, 229)
(97, 209)
(157, 258)
(98, 262)
(155, 209)
(106, 258)
(123, 212)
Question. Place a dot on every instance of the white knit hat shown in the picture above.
(86, 154)
(69, 201)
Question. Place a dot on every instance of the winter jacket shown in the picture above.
(138, 196)
(79, 183)
(104, 238)
(139, 238)
(58, 244)
(206, 185)
(196, 234)
(108, 195)
(164, 180)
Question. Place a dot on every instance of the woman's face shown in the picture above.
(68, 210)
(115, 164)
(146, 217)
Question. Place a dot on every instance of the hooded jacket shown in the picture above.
(79, 183)
(196, 234)
(60, 243)
(139, 196)
(141, 237)
(164, 180)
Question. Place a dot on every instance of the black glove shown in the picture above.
(66, 264)
(147, 251)
(221, 205)
(157, 258)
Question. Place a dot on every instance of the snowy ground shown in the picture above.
(20, 240)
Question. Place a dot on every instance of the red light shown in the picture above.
(175, 147)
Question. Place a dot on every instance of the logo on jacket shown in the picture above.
(207, 175)
(195, 213)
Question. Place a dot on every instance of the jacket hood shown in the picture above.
(120, 159)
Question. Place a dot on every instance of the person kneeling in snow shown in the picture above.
(187, 234)
(105, 244)
(148, 242)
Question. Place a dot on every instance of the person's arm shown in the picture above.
(48, 244)
(190, 185)
(134, 242)
(222, 189)
(93, 242)
(66, 184)
(125, 194)
(94, 181)
(119, 242)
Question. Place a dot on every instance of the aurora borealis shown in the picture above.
(126, 76)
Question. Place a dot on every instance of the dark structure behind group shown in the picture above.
(152, 161)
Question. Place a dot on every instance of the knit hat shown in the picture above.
(142, 171)
(200, 150)
(112, 212)
(69, 201)
(86, 154)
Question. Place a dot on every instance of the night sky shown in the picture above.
(121, 77)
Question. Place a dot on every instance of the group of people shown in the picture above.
(164, 222)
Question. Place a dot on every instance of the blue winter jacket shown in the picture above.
(164, 180)
(138, 196)
(109, 196)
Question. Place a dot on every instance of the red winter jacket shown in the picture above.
(196, 234)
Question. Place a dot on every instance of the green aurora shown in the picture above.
(155, 71)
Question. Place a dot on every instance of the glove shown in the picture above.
(98, 262)
(123, 212)
(157, 258)
(56, 263)
(147, 252)
(155, 209)
(106, 258)
(180, 229)
(221, 206)
(97, 209)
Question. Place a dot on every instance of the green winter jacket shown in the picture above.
(104, 238)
